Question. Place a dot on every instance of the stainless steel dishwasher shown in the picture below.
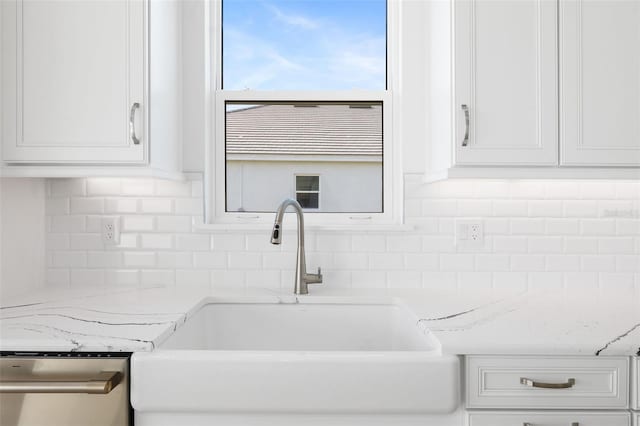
(64, 389)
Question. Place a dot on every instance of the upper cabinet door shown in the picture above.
(600, 74)
(73, 81)
(506, 78)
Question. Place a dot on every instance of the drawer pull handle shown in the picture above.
(531, 424)
(534, 384)
(132, 123)
(465, 109)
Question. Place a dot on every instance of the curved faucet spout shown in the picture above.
(302, 277)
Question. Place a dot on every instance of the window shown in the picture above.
(308, 191)
(302, 90)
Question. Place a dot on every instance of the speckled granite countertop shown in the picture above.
(130, 320)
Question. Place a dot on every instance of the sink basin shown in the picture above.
(315, 355)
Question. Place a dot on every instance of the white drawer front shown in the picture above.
(599, 383)
(549, 419)
(635, 386)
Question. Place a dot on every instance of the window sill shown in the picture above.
(256, 228)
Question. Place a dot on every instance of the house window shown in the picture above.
(302, 88)
(308, 191)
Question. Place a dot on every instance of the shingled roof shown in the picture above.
(323, 129)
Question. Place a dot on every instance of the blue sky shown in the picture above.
(304, 44)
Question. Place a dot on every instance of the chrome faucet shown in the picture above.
(302, 278)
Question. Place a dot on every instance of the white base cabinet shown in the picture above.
(550, 390)
(538, 418)
(90, 83)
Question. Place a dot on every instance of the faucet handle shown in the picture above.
(314, 278)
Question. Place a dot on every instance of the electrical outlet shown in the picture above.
(469, 233)
(111, 230)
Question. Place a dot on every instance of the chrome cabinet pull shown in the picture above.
(465, 141)
(101, 383)
(531, 424)
(132, 125)
(534, 384)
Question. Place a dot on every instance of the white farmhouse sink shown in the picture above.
(317, 355)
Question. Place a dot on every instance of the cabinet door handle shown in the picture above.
(465, 141)
(531, 424)
(533, 384)
(132, 123)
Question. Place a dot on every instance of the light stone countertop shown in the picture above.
(129, 320)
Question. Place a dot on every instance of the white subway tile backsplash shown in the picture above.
(527, 262)
(157, 277)
(138, 223)
(120, 205)
(139, 259)
(598, 263)
(545, 244)
(580, 208)
(85, 242)
(104, 259)
(57, 206)
(480, 208)
(545, 208)
(538, 234)
(174, 224)
(371, 279)
(104, 186)
(457, 262)
(421, 261)
(67, 224)
(616, 245)
(510, 244)
(580, 280)
(194, 242)
(138, 187)
(628, 263)
(67, 187)
(527, 226)
(230, 242)
(492, 262)
(156, 205)
(404, 279)
(510, 208)
(86, 277)
(561, 262)
(156, 241)
(386, 261)
(69, 259)
(122, 277)
(169, 188)
(616, 281)
(404, 243)
(241, 260)
(264, 279)
(192, 277)
(598, 226)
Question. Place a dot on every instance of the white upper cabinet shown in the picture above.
(74, 81)
(600, 82)
(506, 89)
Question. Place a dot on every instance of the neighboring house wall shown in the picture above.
(344, 186)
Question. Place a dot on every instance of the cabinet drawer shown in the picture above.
(549, 419)
(547, 382)
(635, 384)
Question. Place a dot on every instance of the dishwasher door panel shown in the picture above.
(64, 391)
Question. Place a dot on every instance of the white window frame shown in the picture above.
(296, 192)
(215, 160)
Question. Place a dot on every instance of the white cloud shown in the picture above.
(293, 20)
